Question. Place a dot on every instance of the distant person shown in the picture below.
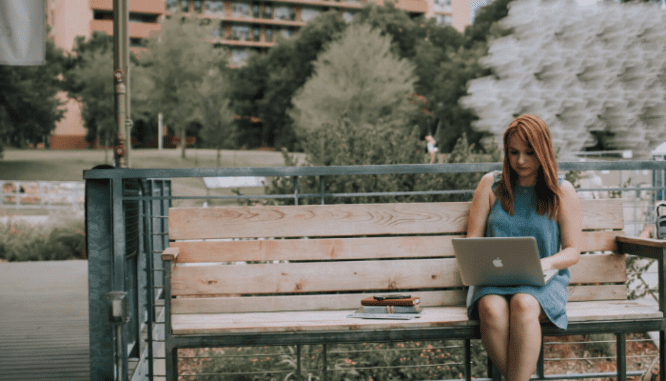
(432, 149)
(526, 199)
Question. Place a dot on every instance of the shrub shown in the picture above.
(27, 242)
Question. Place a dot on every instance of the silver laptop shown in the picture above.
(500, 261)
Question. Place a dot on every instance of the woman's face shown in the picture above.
(523, 160)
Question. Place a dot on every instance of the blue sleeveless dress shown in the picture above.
(526, 222)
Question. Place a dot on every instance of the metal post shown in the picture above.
(325, 367)
(295, 190)
(298, 362)
(99, 243)
(121, 81)
(322, 189)
(468, 359)
(621, 353)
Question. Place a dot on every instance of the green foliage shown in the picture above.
(29, 107)
(264, 87)
(413, 360)
(362, 80)
(25, 242)
(215, 113)
(345, 144)
(172, 71)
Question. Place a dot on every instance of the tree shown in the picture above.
(357, 76)
(215, 112)
(263, 88)
(29, 108)
(172, 70)
(97, 96)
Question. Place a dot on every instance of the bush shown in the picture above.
(26, 242)
(345, 145)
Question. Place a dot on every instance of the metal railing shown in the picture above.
(126, 230)
(44, 195)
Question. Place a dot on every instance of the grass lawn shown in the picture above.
(68, 165)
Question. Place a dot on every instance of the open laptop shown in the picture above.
(500, 261)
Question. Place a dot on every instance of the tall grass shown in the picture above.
(20, 241)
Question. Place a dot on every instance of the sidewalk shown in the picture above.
(44, 321)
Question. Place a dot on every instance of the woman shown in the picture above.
(525, 199)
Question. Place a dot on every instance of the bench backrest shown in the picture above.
(316, 257)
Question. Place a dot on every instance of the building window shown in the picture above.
(218, 31)
(241, 10)
(256, 33)
(255, 10)
(268, 12)
(443, 20)
(348, 16)
(143, 18)
(171, 5)
(185, 6)
(287, 32)
(135, 43)
(239, 56)
(214, 7)
(308, 14)
(240, 33)
(442, 6)
(102, 15)
(285, 13)
(269, 34)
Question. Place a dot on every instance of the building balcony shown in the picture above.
(263, 21)
(143, 6)
(136, 29)
(245, 44)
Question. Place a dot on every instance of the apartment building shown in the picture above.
(246, 25)
(242, 26)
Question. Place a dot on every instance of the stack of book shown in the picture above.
(389, 307)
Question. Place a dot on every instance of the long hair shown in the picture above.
(534, 131)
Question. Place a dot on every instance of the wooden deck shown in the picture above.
(44, 321)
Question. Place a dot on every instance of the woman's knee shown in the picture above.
(525, 305)
(493, 307)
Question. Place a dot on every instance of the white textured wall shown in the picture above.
(581, 69)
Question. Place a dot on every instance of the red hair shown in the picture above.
(534, 131)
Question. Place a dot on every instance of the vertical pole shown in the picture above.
(621, 353)
(295, 178)
(322, 189)
(160, 137)
(99, 244)
(298, 362)
(325, 361)
(468, 359)
(121, 80)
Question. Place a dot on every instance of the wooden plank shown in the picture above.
(602, 214)
(350, 220)
(599, 268)
(578, 293)
(315, 249)
(454, 297)
(301, 321)
(313, 277)
(318, 220)
(343, 248)
(357, 275)
(304, 302)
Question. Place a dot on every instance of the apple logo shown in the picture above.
(498, 262)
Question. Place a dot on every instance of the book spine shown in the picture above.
(391, 309)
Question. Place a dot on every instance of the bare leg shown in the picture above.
(525, 342)
(494, 319)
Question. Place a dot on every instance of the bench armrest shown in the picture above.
(170, 254)
(644, 247)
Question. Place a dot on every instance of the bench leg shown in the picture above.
(171, 363)
(621, 352)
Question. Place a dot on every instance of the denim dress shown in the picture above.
(526, 222)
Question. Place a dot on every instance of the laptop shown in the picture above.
(500, 261)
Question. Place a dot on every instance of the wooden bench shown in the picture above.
(291, 274)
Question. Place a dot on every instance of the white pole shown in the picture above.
(160, 132)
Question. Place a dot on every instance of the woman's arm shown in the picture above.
(481, 205)
(570, 221)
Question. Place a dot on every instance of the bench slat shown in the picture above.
(317, 220)
(191, 305)
(300, 321)
(350, 220)
(357, 275)
(343, 248)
